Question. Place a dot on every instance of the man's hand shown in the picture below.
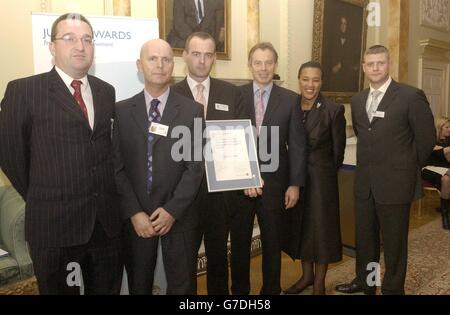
(254, 192)
(291, 196)
(162, 221)
(142, 225)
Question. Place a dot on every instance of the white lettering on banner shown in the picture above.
(118, 41)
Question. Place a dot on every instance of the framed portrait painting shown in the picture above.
(339, 41)
(180, 18)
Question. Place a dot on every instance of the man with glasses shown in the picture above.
(56, 150)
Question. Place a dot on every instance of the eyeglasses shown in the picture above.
(72, 39)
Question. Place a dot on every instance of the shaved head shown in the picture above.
(156, 63)
(155, 44)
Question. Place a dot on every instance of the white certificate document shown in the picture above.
(230, 154)
(440, 170)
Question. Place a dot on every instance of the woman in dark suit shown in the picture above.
(441, 158)
(320, 239)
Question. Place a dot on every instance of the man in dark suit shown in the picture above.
(219, 212)
(56, 150)
(190, 16)
(396, 134)
(157, 182)
(275, 112)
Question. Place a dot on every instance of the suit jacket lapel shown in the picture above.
(388, 98)
(170, 113)
(272, 104)
(314, 115)
(249, 95)
(363, 112)
(97, 102)
(192, 8)
(64, 98)
(187, 90)
(139, 112)
(212, 97)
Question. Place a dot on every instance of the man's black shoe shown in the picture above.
(353, 287)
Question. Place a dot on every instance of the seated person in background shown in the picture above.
(441, 157)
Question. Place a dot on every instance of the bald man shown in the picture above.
(157, 188)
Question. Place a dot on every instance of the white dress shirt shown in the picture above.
(193, 86)
(382, 89)
(86, 93)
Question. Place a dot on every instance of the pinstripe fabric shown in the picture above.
(62, 168)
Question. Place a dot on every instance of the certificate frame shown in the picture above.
(215, 185)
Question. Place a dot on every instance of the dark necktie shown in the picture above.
(153, 116)
(76, 84)
(200, 10)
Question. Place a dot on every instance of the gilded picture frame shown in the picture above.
(339, 42)
(177, 23)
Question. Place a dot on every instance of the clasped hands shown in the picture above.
(157, 224)
(291, 196)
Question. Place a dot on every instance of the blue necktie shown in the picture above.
(200, 11)
(153, 116)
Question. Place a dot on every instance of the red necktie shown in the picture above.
(76, 84)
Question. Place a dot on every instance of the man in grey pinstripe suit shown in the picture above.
(55, 141)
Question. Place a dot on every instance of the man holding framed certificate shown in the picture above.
(220, 212)
(275, 112)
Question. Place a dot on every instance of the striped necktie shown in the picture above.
(153, 116)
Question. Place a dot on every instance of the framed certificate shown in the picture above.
(231, 158)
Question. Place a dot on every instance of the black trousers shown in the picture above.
(179, 258)
(393, 223)
(269, 221)
(221, 214)
(100, 261)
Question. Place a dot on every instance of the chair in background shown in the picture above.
(427, 187)
(17, 265)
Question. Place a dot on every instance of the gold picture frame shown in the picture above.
(216, 22)
(339, 42)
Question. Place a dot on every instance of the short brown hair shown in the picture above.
(262, 46)
(202, 36)
(69, 16)
(377, 49)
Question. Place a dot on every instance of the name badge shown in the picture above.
(158, 129)
(222, 107)
(379, 114)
